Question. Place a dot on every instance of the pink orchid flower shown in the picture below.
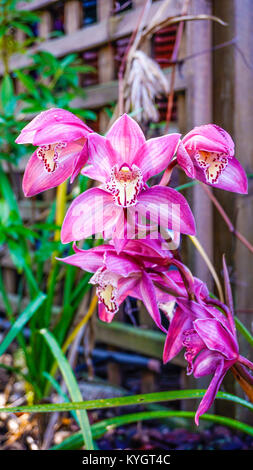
(207, 154)
(123, 161)
(209, 338)
(133, 273)
(61, 138)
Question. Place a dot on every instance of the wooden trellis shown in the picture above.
(99, 37)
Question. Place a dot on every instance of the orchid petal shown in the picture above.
(37, 179)
(102, 157)
(181, 321)
(103, 314)
(126, 138)
(148, 296)
(123, 265)
(51, 126)
(88, 260)
(233, 178)
(185, 161)
(155, 154)
(209, 138)
(80, 161)
(216, 337)
(166, 207)
(206, 363)
(90, 213)
(211, 392)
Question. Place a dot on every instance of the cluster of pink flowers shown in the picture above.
(141, 224)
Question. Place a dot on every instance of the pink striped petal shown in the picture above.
(216, 337)
(37, 179)
(206, 363)
(148, 296)
(155, 154)
(88, 260)
(166, 207)
(102, 157)
(185, 161)
(103, 314)
(90, 213)
(181, 321)
(80, 161)
(211, 392)
(122, 265)
(210, 138)
(51, 126)
(126, 138)
(233, 178)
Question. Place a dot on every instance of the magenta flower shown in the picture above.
(210, 341)
(135, 272)
(123, 162)
(207, 154)
(62, 141)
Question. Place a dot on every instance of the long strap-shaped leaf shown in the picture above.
(21, 321)
(72, 386)
(157, 397)
(98, 429)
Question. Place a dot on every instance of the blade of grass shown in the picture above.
(75, 441)
(62, 394)
(209, 264)
(21, 321)
(127, 401)
(71, 384)
(243, 330)
(72, 337)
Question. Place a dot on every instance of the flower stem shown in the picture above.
(208, 262)
(245, 362)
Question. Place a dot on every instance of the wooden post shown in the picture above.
(243, 125)
(223, 115)
(73, 16)
(199, 111)
(105, 59)
(45, 25)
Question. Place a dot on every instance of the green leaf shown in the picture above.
(28, 82)
(21, 321)
(98, 429)
(127, 401)
(71, 384)
(23, 27)
(8, 193)
(60, 392)
(7, 95)
(244, 331)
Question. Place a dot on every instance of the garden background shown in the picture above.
(68, 54)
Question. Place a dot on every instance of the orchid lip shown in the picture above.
(212, 163)
(125, 184)
(49, 154)
(106, 290)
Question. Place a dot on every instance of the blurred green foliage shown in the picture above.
(45, 82)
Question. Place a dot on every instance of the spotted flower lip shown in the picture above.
(61, 138)
(207, 154)
(123, 162)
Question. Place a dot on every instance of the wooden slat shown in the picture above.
(100, 95)
(92, 36)
(35, 5)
